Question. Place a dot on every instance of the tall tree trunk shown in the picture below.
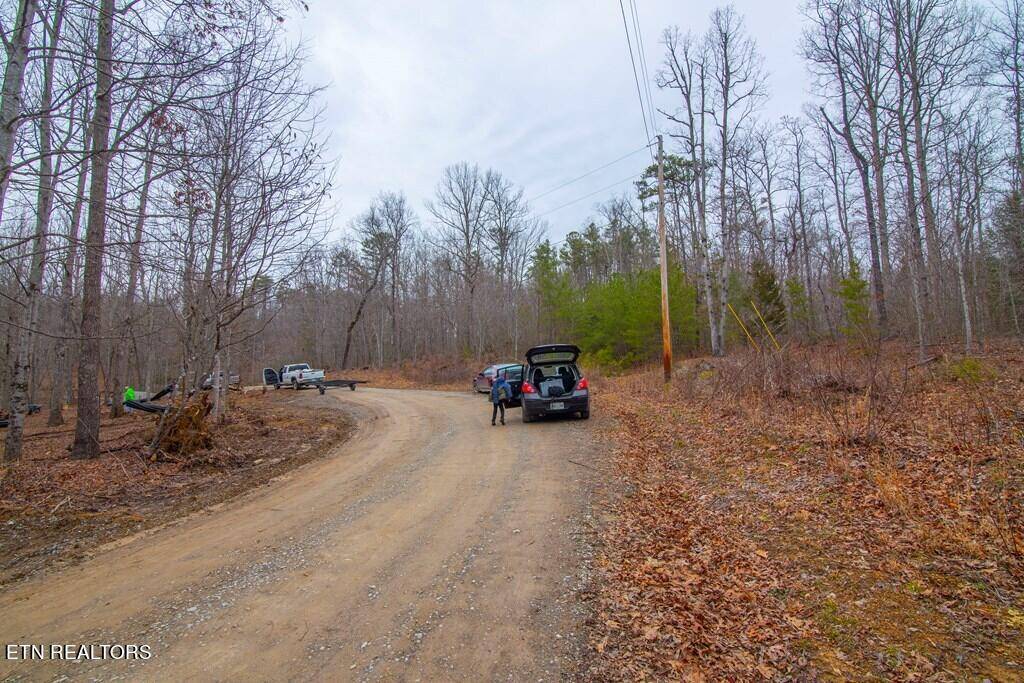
(359, 314)
(931, 231)
(962, 282)
(723, 299)
(709, 296)
(878, 285)
(10, 97)
(87, 426)
(21, 372)
(919, 273)
(961, 209)
(61, 389)
(118, 356)
(878, 168)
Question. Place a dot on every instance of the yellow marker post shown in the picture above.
(743, 327)
(766, 328)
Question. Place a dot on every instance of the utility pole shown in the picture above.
(666, 327)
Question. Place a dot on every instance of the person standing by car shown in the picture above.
(501, 391)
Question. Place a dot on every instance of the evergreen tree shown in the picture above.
(799, 303)
(555, 294)
(1008, 222)
(768, 297)
(853, 293)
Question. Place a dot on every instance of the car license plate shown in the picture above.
(557, 405)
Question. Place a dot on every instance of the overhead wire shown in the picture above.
(589, 173)
(636, 78)
(646, 112)
(590, 194)
(642, 53)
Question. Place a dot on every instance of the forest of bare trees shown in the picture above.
(163, 210)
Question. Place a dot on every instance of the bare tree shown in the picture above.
(841, 47)
(399, 220)
(1007, 51)
(377, 246)
(87, 425)
(33, 292)
(460, 209)
(686, 71)
(16, 45)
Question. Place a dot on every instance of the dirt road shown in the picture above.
(431, 546)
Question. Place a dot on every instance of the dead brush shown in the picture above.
(737, 378)
(995, 482)
(858, 394)
(754, 377)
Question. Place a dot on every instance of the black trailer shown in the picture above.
(332, 383)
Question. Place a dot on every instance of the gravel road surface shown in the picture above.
(431, 546)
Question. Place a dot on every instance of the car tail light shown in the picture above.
(528, 388)
(583, 383)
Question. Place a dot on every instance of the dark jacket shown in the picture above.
(500, 383)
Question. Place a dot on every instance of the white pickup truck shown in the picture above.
(296, 375)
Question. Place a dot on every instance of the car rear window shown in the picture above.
(553, 357)
(554, 370)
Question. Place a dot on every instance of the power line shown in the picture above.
(642, 50)
(563, 240)
(591, 194)
(636, 78)
(588, 173)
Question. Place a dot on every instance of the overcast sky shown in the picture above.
(542, 91)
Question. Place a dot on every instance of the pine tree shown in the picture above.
(799, 303)
(768, 297)
(853, 292)
(1008, 222)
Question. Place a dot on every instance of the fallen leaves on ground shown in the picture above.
(776, 521)
(55, 510)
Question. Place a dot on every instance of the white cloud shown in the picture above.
(542, 91)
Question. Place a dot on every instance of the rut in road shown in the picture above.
(431, 545)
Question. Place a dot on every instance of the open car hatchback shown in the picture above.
(551, 383)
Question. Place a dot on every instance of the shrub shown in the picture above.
(969, 370)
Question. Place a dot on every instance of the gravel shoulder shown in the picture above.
(428, 546)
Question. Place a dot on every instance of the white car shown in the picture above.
(296, 375)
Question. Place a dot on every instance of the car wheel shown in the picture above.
(585, 414)
(295, 385)
(527, 417)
